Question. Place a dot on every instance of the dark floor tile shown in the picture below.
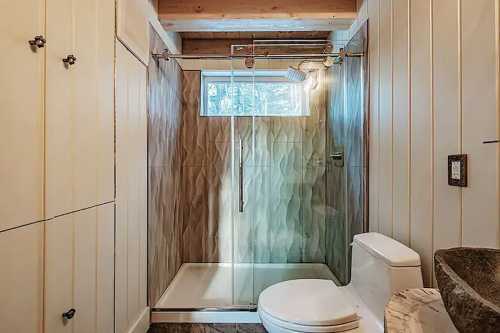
(206, 328)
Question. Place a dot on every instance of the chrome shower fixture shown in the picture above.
(295, 74)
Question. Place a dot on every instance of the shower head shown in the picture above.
(295, 75)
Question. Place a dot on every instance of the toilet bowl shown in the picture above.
(380, 267)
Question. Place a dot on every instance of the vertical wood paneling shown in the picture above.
(59, 256)
(21, 280)
(447, 117)
(445, 95)
(401, 118)
(386, 121)
(373, 53)
(421, 173)
(105, 268)
(105, 68)
(58, 102)
(131, 191)
(21, 114)
(84, 270)
(79, 110)
(480, 122)
(132, 27)
(79, 271)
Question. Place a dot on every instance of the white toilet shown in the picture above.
(381, 267)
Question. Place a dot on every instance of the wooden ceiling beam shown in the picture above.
(223, 47)
(256, 15)
(211, 46)
(256, 9)
(252, 35)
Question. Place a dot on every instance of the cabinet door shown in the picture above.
(59, 245)
(21, 279)
(79, 271)
(132, 26)
(80, 104)
(21, 113)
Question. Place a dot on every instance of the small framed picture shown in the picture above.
(457, 170)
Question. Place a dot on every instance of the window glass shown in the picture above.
(252, 94)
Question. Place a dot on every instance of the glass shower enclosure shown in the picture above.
(286, 171)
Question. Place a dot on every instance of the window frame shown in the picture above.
(244, 76)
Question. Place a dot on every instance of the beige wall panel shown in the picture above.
(401, 121)
(84, 270)
(79, 271)
(386, 121)
(421, 134)
(122, 100)
(105, 268)
(59, 103)
(447, 117)
(454, 105)
(59, 254)
(481, 118)
(132, 26)
(79, 122)
(105, 83)
(374, 135)
(21, 280)
(131, 173)
(21, 116)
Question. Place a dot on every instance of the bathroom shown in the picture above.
(253, 166)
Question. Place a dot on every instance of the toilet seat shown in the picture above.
(291, 327)
(307, 305)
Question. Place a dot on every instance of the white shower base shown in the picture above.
(210, 286)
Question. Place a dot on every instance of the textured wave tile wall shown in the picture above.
(164, 172)
(347, 132)
(284, 184)
(206, 180)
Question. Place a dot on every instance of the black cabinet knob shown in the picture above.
(38, 41)
(69, 314)
(69, 60)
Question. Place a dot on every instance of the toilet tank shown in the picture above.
(381, 266)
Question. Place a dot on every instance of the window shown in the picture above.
(252, 93)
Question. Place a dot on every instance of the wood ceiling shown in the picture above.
(256, 9)
(213, 26)
(257, 35)
(256, 15)
(221, 42)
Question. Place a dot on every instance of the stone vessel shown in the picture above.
(469, 282)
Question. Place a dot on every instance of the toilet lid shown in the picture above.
(308, 302)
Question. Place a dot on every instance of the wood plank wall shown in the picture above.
(434, 91)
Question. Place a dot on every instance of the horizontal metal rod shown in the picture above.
(305, 40)
(257, 46)
(256, 56)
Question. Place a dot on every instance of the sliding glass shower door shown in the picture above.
(279, 176)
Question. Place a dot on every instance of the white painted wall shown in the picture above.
(131, 310)
(434, 91)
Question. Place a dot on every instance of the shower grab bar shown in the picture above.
(241, 202)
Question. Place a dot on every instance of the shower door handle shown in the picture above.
(241, 202)
(337, 156)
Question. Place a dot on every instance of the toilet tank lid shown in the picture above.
(391, 251)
